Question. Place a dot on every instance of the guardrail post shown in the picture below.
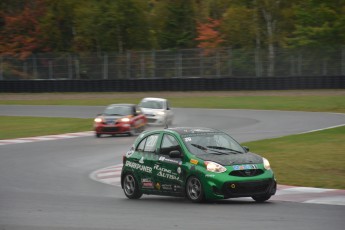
(77, 68)
(69, 66)
(343, 61)
(128, 64)
(34, 65)
(153, 57)
(1, 70)
(105, 66)
(50, 70)
(230, 61)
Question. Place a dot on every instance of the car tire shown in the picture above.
(261, 198)
(131, 187)
(132, 132)
(194, 190)
(98, 135)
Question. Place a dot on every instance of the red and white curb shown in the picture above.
(46, 138)
(111, 176)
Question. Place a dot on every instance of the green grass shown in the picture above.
(292, 103)
(314, 159)
(16, 127)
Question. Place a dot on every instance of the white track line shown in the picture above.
(45, 138)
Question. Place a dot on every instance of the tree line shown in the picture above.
(36, 26)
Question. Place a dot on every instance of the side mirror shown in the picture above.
(246, 148)
(175, 154)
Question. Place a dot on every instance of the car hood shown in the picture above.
(151, 111)
(111, 118)
(232, 158)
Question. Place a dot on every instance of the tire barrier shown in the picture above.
(173, 84)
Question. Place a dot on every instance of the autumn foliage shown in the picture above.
(21, 34)
(208, 34)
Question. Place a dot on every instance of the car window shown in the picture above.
(169, 143)
(202, 143)
(141, 146)
(152, 104)
(118, 110)
(148, 144)
(138, 110)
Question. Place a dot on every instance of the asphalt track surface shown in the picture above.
(45, 185)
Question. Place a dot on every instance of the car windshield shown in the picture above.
(150, 104)
(211, 143)
(117, 110)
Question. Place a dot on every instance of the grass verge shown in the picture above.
(313, 160)
(324, 103)
(16, 127)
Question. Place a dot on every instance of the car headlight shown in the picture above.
(98, 119)
(214, 167)
(266, 164)
(160, 113)
(125, 119)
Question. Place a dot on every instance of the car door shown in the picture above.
(167, 172)
(169, 112)
(139, 118)
(142, 159)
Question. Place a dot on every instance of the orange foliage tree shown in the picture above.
(209, 36)
(21, 34)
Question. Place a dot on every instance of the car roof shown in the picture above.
(192, 130)
(153, 99)
(129, 105)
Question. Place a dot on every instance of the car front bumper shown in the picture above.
(155, 119)
(112, 129)
(233, 187)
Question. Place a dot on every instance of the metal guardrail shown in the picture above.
(216, 63)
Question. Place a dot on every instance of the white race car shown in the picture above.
(157, 111)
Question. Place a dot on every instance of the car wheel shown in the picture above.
(142, 129)
(132, 132)
(262, 198)
(131, 187)
(98, 135)
(194, 189)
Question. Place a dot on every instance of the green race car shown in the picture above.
(199, 163)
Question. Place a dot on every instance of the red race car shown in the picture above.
(120, 119)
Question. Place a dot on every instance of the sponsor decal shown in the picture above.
(194, 162)
(168, 160)
(147, 185)
(187, 139)
(166, 173)
(130, 152)
(177, 188)
(141, 161)
(139, 167)
(244, 167)
(158, 186)
(167, 187)
(209, 175)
